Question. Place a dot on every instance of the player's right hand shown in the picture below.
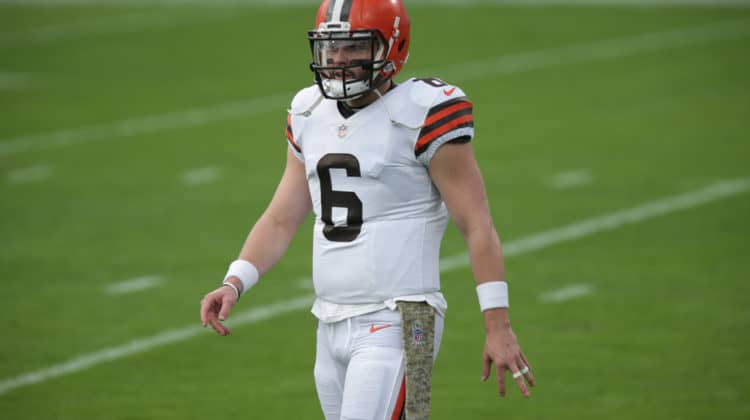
(215, 307)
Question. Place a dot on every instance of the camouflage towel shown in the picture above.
(418, 323)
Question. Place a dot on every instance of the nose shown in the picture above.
(339, 57)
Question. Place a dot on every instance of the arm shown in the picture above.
(455, 172)
(274, 230)
(267, 241)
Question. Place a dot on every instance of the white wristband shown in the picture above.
(245, 271)
(493, 294)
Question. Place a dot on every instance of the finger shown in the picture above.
(528, 375)
(529, 378)
(226, 306)
(211, 317)
(486, 365)
(219, 327)
(525, 362)
(500, 371)
(216, 325)
(205, 307)
(518, 377)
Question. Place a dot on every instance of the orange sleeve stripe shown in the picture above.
(433, 118)
(465, 120)
(289, 134)
(398, 410)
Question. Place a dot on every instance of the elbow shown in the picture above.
(476, 228)
(483, 233)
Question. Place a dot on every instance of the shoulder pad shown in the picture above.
(303, 103)
(431, 91)
(304, 100)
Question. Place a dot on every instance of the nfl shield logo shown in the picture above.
(342, 131)
(417, 332)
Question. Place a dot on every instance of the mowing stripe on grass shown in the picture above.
(507, 64)
(717, 191)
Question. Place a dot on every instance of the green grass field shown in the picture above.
(144, 141)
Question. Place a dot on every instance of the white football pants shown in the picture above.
(359, 366)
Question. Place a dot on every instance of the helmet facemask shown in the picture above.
(347, 64)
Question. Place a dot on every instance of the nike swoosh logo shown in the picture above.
(449, 92)
(373, 328)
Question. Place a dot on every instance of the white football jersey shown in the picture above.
(379, 219)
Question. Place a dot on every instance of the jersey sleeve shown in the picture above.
(295, 119)
(290, 138)
(449, 119)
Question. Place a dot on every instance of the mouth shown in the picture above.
(339, 75)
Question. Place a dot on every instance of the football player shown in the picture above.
(382, 166)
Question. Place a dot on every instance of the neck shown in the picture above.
(370, 97)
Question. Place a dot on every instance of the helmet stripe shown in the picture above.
(339, 12)
(329, 11)
(345, 9)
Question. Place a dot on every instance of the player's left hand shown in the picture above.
(215, 307)
(502, 350)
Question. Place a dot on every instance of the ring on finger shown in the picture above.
(525, 370)
(517, 375)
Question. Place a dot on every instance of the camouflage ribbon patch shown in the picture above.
(418, 323)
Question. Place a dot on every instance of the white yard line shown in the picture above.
(571, 232)
(566, 293)
(599, 50)
(571, 179)
(134, 285)
(10, 81)
(201, 176)
(611, 221)
(508, 64)
(118, 24)
(146, 125)
(140, 345)
(29, 174)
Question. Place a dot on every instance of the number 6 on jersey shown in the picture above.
(330, 198)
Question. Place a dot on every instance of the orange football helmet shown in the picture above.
(375, 33)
